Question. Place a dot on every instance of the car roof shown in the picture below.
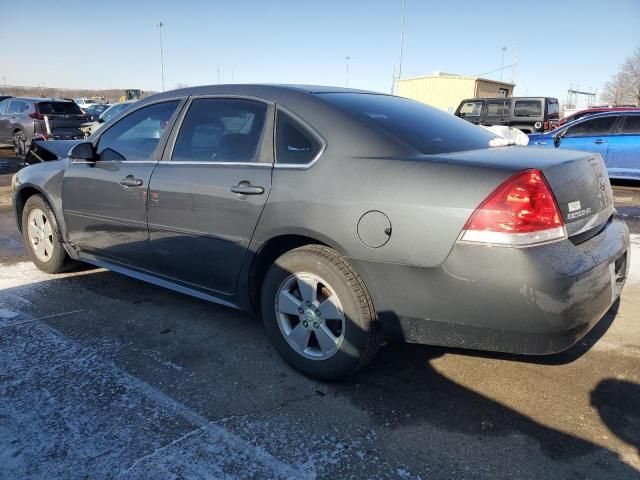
(267, 91)
(41, 99)
(595, 115)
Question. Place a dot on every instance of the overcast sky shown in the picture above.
(115, 44)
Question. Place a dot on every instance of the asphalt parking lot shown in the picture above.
(103, 376)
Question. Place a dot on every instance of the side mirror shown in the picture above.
(83, 151)
(558, 138)
(100, 120)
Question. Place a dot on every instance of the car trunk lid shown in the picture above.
(578, 180)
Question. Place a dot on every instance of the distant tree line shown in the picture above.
(110, 95)
(624, 87)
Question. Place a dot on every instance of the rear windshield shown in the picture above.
(59, 108)
(425, 128)
(527, 108)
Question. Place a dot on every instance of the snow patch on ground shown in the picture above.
(68, 411)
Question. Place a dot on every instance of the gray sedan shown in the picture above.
(342, 216)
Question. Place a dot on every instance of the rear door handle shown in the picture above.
(245, 188)
(599, 141)
(129, 181)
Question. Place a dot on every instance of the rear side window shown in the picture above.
(420, 126)
(553, 108)
(220, 130)
(631, 124)
(527, 108)
(470, 109)
(3, 106)
(18, 106)
(589, 128)
(294, 143)
(58, 108)
(497, 108)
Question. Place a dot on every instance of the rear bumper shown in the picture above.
(536, 300)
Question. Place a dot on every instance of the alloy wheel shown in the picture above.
(40, 235)
(310, 316)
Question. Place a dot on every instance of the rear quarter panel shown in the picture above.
(427, 202)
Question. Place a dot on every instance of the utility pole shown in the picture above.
(160, 26)
(401, 42)
(346, 78)
(218, 75)
(4, 84)
(514, 68)
(504, 50)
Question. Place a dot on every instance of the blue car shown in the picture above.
(614, 135)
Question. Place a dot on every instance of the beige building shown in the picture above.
(445, 91)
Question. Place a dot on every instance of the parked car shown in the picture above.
(24, 119)
(4, 97)
(107, 115)
(343, 216)
(85, 103)
(614, 135)
(94, 111)
(590, 111)
(528, 114)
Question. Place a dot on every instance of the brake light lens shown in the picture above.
(36, 116)
(520, 212)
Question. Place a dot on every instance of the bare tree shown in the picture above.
(631, 73)
(624, 86)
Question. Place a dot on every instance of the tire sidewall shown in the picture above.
(59, 256)
(348, 357)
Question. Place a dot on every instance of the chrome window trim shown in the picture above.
(171, 144)
(85, 162)
(230, 164)
(313, 131)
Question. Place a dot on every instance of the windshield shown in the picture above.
(59, 108)
(425, 128)
(471, 109)
(111, 112)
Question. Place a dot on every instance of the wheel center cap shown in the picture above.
(310, 316)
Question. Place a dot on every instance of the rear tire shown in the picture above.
(42, 237)
(318, 313)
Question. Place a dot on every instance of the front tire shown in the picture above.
(318, 313)
(42, 237)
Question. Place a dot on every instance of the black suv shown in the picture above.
(529, 114)
(23, 120)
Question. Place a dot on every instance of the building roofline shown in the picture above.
(460, 77)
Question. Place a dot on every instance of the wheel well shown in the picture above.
(21, 199)
(268, 254)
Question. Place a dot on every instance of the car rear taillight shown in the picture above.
(36, 116)
(520, 212)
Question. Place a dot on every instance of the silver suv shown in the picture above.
(23, 120)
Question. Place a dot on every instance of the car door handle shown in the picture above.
(129, 181)
(245, 188)
(599, 141)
